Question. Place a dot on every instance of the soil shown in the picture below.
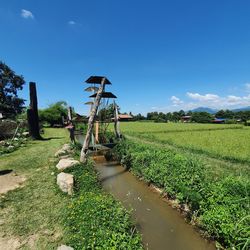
(9, 180)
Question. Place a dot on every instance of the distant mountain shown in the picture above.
(213, 111)
(241, 109)
(204, 109)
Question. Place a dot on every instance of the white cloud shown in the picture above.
(27, 14)
(217, 102)
(176, 101)
(71, 22)
(206, 97)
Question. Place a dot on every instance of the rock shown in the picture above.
(65, 150)
(60, 152)
(65, 182)
(64, 247)
(65, 157)
(25, 134)
(66, 147)
(66, 163)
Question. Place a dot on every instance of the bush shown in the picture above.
(7, 129)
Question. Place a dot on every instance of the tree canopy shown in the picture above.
(54, 113)
(10, 83)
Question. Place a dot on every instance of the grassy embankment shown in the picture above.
(40, 217)
(217, 195)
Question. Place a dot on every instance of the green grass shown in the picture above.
(36, 210)
(94, 220)
(152, 127)
(223, 141)
(229, 144)
(40, 212)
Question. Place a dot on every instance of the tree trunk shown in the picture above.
(85, 147)
(32, 113)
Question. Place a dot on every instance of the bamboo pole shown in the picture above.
(83, 157)
(116, 124)
(97, 132)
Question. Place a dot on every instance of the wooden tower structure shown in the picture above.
(100, 101)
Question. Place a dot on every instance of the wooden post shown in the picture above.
(116, 120)
(69, 114)
(83, 157)
(97, 132)
(32, 113)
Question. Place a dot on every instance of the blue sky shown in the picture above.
(159, 55)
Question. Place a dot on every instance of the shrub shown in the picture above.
(94, 220)
(222, 205)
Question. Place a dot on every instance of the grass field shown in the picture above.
(33, 215)
(230, 142)
(153, 127)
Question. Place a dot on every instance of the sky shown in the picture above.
(160, 55)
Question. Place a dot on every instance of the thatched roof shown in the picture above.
(97, 80)
(89, 103)
(104, 95)
(91, 89)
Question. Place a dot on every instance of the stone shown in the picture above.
(65, 150)
(25, 134)
(66, 147)
(65, 182)
(64, 247)
(66, 163)
(65, 157)
(60, 152)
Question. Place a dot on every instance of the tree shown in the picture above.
(176, 116)
(10, 83)
(54, 113)
(202, 117)
(107, 113)
(182, 113)
(139, 117)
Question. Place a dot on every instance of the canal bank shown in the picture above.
(161, 226)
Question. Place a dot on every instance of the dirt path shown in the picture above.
(9, 180)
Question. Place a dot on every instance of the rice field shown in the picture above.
(152, 127)
(230, 142)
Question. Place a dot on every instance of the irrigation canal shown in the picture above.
(161, 226)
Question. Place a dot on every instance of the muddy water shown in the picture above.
(161, 226)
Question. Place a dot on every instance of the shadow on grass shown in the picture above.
(49, 138)
(5, 171)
